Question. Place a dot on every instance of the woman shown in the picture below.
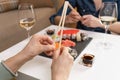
(86, 16)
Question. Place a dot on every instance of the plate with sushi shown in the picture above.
(72, 38)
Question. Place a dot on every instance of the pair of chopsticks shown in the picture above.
(62, 20)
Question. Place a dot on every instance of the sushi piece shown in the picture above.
(84, 36)
(68, 43)
(70, 31)
(56, 45)
(50, 31)
(73, 52)
(78, 37)
(73, 36)
(64, 36)
(68, 36)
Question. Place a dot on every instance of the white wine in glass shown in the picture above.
(108, 15)
(26, 16)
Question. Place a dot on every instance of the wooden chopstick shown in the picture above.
(62, 20)
(68, 5)
(71, 7)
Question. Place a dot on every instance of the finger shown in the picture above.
(86, 16)
(47, 39)
(56, 54)
(49, 53)
(46, 48)
(74, 13)
(65, 51)
(44, 43)
(76, 17)
(74, 20)
(86, 22)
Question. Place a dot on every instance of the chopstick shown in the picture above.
(62, 20)
(67, 5)
(71, 7)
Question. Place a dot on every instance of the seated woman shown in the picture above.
(86, 16)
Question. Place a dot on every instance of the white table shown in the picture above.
(106, 64)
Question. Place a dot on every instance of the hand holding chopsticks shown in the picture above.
(62, 20)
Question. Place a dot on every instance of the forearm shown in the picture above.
(15, 62)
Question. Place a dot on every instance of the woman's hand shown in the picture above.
(91, 21)
(39, 44)
(61, 65)
(73, 17)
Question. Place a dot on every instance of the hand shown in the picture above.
(61, 65)
(91, 21)
(115, 27)
(36, 45)
(73, 17)
(39, 44)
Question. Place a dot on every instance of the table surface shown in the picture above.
(106, 64)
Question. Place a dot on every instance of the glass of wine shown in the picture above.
(26, 16)
(108, 15)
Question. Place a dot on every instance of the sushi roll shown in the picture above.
(84, 36)
(78, 37)
(64, 36)
(50, 31)
(73, 52)
(68, 36)
(73, 36)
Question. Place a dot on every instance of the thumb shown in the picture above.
(65, 50)
(56, 54)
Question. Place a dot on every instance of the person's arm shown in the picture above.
(37, 45)
(61, 64)
(91, 21)
(115, 27)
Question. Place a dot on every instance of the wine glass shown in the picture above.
(108, 15)
(26, 16)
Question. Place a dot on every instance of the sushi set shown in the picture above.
(72, 38)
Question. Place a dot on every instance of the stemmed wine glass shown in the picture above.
(108, 15)
(26, 16)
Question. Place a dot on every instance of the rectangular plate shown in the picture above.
(79, 47)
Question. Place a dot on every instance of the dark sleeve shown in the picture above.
(59, 13)
(118, 5)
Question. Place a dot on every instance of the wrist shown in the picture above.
(59, 77)
(15, 62)
(26, 55)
